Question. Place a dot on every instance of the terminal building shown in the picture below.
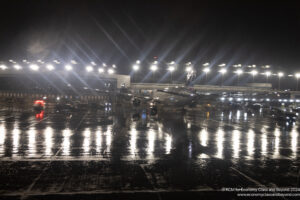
(61, 82)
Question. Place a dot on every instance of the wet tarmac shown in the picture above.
(129, 155)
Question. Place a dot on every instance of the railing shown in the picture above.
(40, 95)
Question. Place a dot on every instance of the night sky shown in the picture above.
(120, 32)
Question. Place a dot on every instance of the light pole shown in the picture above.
(206, 71)
(238, 72)
(153, 68)
(89, 68)
(222, 71)
(135, 68)
(297, 77)
(17, 67)
(34, 67)
(254, 73)
(50, 67)
(3, 67)
(267, 73)
(171, 68)
(68, 67)
(111, 71)
(280, 74)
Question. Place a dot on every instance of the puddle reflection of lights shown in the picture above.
(276, 143)
(108, 134)
(236, 143)
(133, 134)
(151, 139)
(203, 137)
(190, 149)
(264, 143)
(66, 142)
(16, 140)
(294, 142)
(220, 140)
(245, 116)
(31, 142)
(207, 115)
(168, 143)
(2, 138)
(98, 140)
(189, 125)
(250, 142)
(40, 115)
(160, 132)
(48, 141)
(238, 114)
(87, 140)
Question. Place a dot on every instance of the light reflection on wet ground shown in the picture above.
(252, 143)
(221, 136)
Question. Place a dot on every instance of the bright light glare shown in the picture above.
(206, 64)
(171, 68)
(114, 66)
(206, 70)
(100, 70)
(136, 67)
(267, 73)
(3, 67)
(254, 72)
(223, 71)
(17, 67)
(153, 68)
(188, 69)
(50, 67)
(297, 75)
(222, 65)
(89, 68)
(68, 67)
(280, 74)
(239, 71)
(138, 62)
(34, 67)
(111, 71)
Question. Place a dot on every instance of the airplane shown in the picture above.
(183, 96)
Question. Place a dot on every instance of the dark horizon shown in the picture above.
(249, 32)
